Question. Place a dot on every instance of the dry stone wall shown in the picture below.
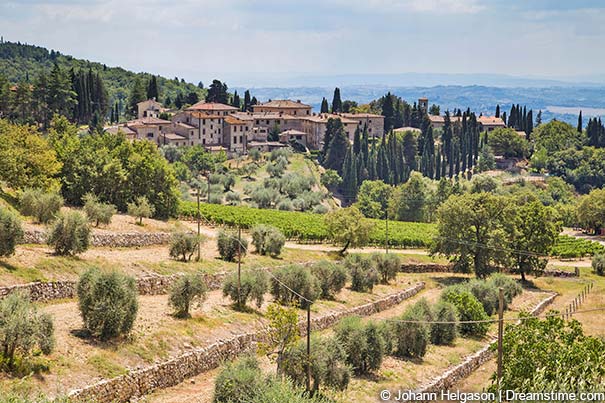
(108, 239)
(454, 375)
(141, 382)
(425, 268)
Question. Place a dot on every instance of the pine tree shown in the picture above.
(152, 88)
(336, 101)
(217, 92)
(324, 106)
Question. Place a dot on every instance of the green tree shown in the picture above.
(23, 329)
(11, 231)
(506, 142)
(330, 178)
(252, 285)
(152, 89)
(556, 136)
(336, 101)
(282, 333)
(44, 206)
(373, 198)
(217, 92)
(364, 344)
(184, 244)
(267, 240)
(325, 108)
(445, 332)
(230, 246)
(70, 234)
(108, 303)
(598, 263)
(473, 231)
(536, 230)
(187, 289)
(101, 213)
(338, 145)
(347, 227)
(138, 93)
(141, 208)
(409, 201)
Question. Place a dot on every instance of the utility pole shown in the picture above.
(308, 366)
(387, 233)
(500, 332)
(239, 266)
(208, 178)
(199, 219)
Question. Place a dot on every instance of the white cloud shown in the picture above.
(416, 6)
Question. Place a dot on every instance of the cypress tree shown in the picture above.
(247, 102)
(324, 105)
(388, 111)
(336, 101)
(580, 122)
(338, 147)
(152, 88)
(498, 110)
(236, 102)
(357, 142)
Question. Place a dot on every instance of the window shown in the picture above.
(257, 121)
(211, 127)
(204, 132)
(150, 135)
(204, 122)
(187, 119)
(203, 141)
(241, 139)
(160, 128)
(234, 139)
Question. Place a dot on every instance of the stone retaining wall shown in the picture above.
(141, 382)
(559, 273)
(107, 239)
(425, 268)
(454, 375)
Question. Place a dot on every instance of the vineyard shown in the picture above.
(309, 227)
(570, 247)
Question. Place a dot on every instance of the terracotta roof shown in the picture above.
(490, 120)
(202, 115)
(173, 136)
(293, 132)
(324, 117)
(153, 101)
(283, 103)
(148, 121)
(211, 106)
(119, 129)
(185, 125)
(232, 120)
(361, 115)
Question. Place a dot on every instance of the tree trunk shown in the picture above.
(342, 252)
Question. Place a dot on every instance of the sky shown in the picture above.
(243, 39)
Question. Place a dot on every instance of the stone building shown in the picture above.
(374, 122)
(284, 106)
(149, 109)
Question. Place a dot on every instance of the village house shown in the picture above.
(373, 122)
(149, 109)
(284, 106)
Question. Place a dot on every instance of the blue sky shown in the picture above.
(235, 39)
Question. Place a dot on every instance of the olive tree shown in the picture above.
(11, 231)
(184, 244)
(141, 208)
(267, 240)
(347, 227)
(70, 234)
(186, 290)
(98, 212)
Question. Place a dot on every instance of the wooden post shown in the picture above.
(500, 331)
(239, 266)
(577, 271)
(308, 367)
(387, 232)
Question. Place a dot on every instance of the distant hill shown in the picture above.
(20, 61)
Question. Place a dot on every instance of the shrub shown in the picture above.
(70, 234)
(411, 339)
(238, 381)
(187, 289)
(96, 211)
(23, 329)
(598, 263)
(277, 390)
(43, 206)
(327, 361)
(230, 246)
(469, 309)
(215, 179)
(444, 333)
(254, 285)
(141, 208)
(363, 343)
(233, 198)
(108, 303)
(228, 181)
(332, 277)
(285, 205)
(362, 271)
(486, 293)
(320, 209)
(267, 240)
(300, 280)
(510, 286)
(184, 244)
(11, 231)
(215, 198)
(388, 266)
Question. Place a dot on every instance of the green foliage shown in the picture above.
(44, 206)
(556, 136)
(506, 142)
(184, 244)
(141, 208)
(373, 198)
(186, 290)
(283, 333)
(551, 355)
(388, 266)
(332, 277)
(411, 340)
(299, 279)
(230, 246)
(598, 264)
(96, 211)
(570, 247)
(469, 309)
(11, 231)
(347, 227)
(330, 178)
(108, 303)
(486, 293)
(484, 183)
(238, 381)
(70, 234)
(363, 344)
(115, 169)
(444, 333)
(254, 285)
(409, 201)
(510, 287)
(309, 226)
(23, 329)
(327, 362)
(28, 161)
(362, 271)
(267, 240)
